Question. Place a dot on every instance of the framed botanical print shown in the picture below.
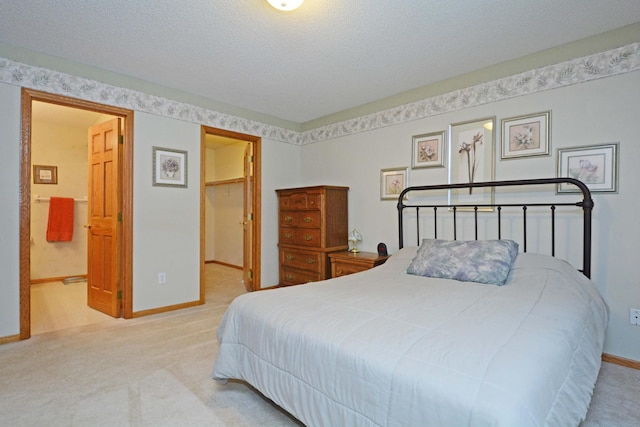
(392, 182)
(471, 154)
(169, 167)
(428, 150)
(595, 165)
(526, 136)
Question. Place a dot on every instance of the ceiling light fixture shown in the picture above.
(286, 5)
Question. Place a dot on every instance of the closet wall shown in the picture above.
(224, 200)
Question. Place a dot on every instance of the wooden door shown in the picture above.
(248, 218)
(103, 266)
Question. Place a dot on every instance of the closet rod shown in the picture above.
(37, 198)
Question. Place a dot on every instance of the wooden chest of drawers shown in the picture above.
(312, 224)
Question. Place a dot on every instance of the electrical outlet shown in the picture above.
(634, 316)
(162, 278)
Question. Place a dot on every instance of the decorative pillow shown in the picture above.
(481, 261)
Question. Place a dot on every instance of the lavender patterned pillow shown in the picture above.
(481, 261)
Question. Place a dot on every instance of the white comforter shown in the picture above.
(384, 348)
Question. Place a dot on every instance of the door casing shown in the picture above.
(28, 96)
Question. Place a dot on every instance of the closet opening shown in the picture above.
(230, 203)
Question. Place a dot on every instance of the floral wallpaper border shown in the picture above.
(609, 63)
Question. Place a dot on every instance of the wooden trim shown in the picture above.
(226, 264)
(9, 338)
(28, 96)
(634, 364)
(203, 172)
(167, 308)
(55, 279)
(225, 182)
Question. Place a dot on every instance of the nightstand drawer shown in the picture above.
(339, 268)
(343, 263)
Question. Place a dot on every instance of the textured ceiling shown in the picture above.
(326, 57)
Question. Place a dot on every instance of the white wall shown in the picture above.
(600, 111)
(9, 210)
(166, 221)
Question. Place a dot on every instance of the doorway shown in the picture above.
(29, 97)
(236, 179)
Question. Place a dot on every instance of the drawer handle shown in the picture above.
(290, 257)
(308, 237)
(340, 272)
(308, 219)
(288, 219)
(288, 235)
(290, 276)
(311, 260)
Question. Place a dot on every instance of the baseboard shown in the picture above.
(621, 361)
(213, 261)
(166, 309)
(10, 338)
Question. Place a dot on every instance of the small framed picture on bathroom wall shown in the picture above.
(45, 174)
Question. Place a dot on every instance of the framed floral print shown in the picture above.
(169, 167)
(392, 182)
(428, 150)
(526, 136)
(471, 154)
(595, 165)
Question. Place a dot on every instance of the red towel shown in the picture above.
(60, 225)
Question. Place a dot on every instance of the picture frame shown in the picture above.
(169, 167)
(45, 174)
(428, 150)
(526, 136)
(595, 165)
(392, 182)
(471, 159)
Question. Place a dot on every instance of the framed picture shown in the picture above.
(392, 182)
(471, 154)
(45, 174)
(169, 167)
(428, 150)
(526, 136)
(595, 165)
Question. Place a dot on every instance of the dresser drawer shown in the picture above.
(302, 219)
(300, 201)
(293, 258)
(300, 236)
(291, 276)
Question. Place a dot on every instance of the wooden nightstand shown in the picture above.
(343, 263)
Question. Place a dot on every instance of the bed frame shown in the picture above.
(404, 202)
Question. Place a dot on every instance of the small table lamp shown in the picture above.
(355, 237)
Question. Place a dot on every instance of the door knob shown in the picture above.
(87, 226)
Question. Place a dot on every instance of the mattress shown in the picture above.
(386, 348)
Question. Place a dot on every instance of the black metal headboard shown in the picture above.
(586, 204)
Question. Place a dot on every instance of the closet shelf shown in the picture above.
(225, 181)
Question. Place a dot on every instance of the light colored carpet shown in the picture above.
(155, 371)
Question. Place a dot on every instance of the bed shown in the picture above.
(403, 344)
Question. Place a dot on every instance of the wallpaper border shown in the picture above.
(605, 64)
